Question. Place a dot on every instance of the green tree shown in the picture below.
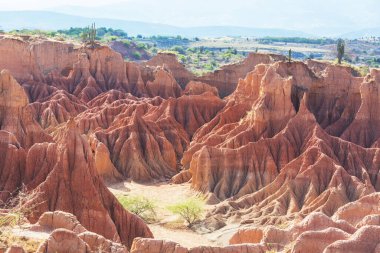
(139, 205)
(340, 49)
(191, 210)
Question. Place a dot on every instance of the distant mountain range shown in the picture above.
(47, 20)
(362, 33)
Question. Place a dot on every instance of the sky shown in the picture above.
(308, 16)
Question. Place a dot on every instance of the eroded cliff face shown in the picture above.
(226, 79)
(290, 143)
(62, 170)
(170, 61)
(268, 121)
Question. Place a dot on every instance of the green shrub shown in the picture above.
(182, 58)
(178, 49)
(139, 205)
(141, 46)
(136, 55)
(191, 210)
(127, 43)
(209, 67)
(112, 38)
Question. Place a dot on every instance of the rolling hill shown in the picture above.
(47, 20)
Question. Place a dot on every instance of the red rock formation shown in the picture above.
(198, 88)
(15, 117)
(366, 239)
(224, 80)
(15, 249)
(58, 171)
(72, 176)
(261, 108)
(292, 139)
(84, 72)
(66, 232)
(157, 130)
(164, 85)
(18, 131)
(227, 77)
(103, 163)
(170, 62)
(142, 245)
(56, 109)
(138, 77)
(319, 233)
(50, 221)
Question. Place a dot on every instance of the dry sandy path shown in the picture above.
(164, 194)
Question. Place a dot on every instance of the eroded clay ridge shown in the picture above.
(154, 108)
(62, 171)
(354, 228)
(291, 140)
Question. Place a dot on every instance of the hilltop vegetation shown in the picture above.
(202, 55)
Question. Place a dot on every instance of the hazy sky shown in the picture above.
(308, 16)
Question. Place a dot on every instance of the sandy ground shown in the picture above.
(168, 226)
(164, 194)
(25, 232)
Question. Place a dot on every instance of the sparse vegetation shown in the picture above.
(14, 213)
(8, 239)
(18, 208)
(207, 55)
(191, 210)
(102, 33)
(139, 205)
(299, 40)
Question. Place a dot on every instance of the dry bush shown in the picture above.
(14, 211)
(8, 239)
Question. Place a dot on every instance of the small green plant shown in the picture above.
(191, 210)
(141, 46)
(179, 49)
(136, 55)
(182, 58)
(127, 43)
(139, 205)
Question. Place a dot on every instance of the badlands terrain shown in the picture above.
(286, 154)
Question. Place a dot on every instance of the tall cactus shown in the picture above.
(92, 34)
(89, 35)
(290, 55)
